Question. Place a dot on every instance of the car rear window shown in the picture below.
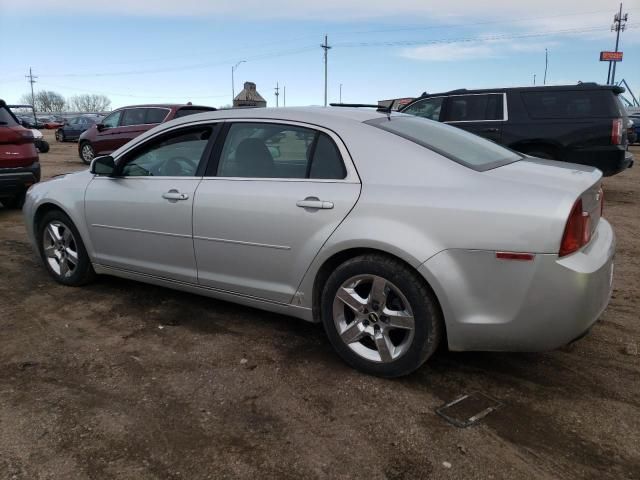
(571, 103)
(183, 112)
(454, 143)
(6, 119)
(156, 115)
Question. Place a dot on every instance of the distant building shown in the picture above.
(249, 97)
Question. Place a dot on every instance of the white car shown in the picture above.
(394, 231)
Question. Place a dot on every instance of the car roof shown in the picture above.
(312, 115)
(165, 105)
(539, 88)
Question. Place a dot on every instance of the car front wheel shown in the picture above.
(86, 153)
(62, 250)
(380, 316)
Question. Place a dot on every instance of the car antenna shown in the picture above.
(379, 108)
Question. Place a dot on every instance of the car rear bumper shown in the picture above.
(610, 160)
(507, 305)
(15, 181)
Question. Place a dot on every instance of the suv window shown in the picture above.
(454, 143)
(156, 115)
(468, 108)
(113, 119)
(6, 119)
(177, 154)
(268, 150)
(428, 108)
(133, 116)
(571, 103)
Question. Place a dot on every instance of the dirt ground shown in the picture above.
(130, 381)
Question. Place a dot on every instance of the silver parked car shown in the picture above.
(394, 231)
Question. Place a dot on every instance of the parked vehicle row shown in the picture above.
(396, 232)
(75, 126)
(584, 123)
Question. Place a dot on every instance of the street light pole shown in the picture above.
(233, 84)
(340, 93)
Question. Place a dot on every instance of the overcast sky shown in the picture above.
(143, 51)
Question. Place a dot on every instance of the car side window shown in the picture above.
(155, 115)
(269, 150)
(428, 108)
(177, 154)
(133, 116)
(468, 108)
(112, 120)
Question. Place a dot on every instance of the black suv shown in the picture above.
(584, 123)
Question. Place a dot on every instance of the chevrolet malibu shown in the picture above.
(396, 232)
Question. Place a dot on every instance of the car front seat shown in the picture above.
(253, 159)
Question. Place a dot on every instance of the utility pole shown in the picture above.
(546, 65)
(233, 85)
(340, 93)
(32, 80)
(619, 24)
(534, 79)
(284, 96)
(277, 89)
(325, 46)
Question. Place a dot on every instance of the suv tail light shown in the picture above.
(577, 231)
(616, 132)
(15, 136)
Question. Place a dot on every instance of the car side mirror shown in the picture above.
(104, 166)
(100, 126)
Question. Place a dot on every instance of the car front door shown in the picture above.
(140, 219)
(482, 114)
(104, 144)
(270, 199)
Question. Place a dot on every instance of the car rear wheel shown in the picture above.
(14, 202)
(60, 135)
(86, 153)
(380, 316)
(62, 250)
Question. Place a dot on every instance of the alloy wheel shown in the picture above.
(60, 249)
(373, 318)
(87, 153)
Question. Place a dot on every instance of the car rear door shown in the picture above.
(140, 220)
(272, 196)
(479, 113)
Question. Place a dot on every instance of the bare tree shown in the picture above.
(89, 103)
(45, 101)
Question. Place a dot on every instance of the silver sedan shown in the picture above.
(397, 233)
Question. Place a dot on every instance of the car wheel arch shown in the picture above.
(537, 145)
(48, 206)
(332, 262)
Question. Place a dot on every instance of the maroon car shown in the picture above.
(127, 123)
(19, 162)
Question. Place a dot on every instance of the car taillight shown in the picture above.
(616, 132)
(577, 232)
(14, 136)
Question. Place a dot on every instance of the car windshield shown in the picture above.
(458, 145)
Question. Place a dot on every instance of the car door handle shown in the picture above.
(314, 202)
(174, 195)
(490, 130)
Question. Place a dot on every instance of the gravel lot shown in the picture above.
(130, 381)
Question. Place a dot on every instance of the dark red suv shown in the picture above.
(19, 162)
(127, 123)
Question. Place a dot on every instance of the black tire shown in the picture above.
(428, 323)
(83, 271)
(60, 135)
(43, 146)
(14, 203)
(81, 150)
